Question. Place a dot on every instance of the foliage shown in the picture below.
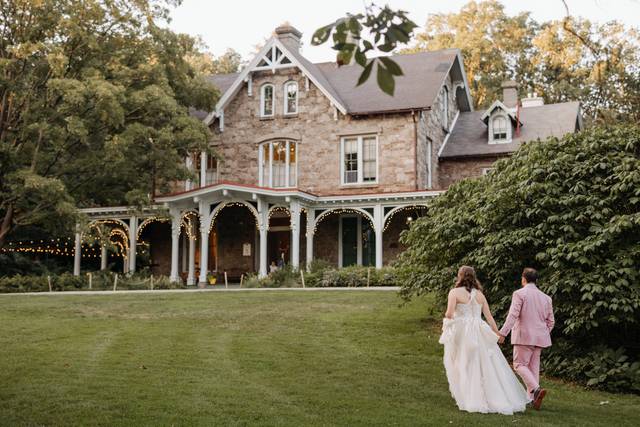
(357, 276)
(387, 27)
(561, 60)
(206, 64)
(68, 282)
(94, 108)
(570, 208)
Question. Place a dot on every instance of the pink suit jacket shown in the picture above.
(530, 318)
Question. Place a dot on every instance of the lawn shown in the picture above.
(246, 358)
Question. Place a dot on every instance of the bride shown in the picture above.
(480, 379)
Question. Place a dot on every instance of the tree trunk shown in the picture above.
(5, 227)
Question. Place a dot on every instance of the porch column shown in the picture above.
(263, 226)
(133, 243)
(311, 218)
(191, 280)
(103, 256)
(204, 243)
(175, 242)
(378, 220)
(203, 169)
(78, 253)
(294, 211)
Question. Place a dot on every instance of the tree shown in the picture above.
(568, 59)
(205, 63)
(571, 209)
(94, 100)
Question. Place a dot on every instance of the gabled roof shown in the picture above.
(418, 88)
(469, 136)
(500, 105)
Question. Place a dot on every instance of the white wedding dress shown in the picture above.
(480, 379)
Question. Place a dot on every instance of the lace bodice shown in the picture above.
(471, 310)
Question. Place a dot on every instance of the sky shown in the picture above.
(243, 24)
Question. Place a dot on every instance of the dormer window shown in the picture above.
(499, 131)
(291, 98)
(266, 101)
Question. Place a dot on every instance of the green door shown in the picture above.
(349, 241)
(368, 244)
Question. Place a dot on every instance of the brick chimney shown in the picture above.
(289, 36)
(510, 93)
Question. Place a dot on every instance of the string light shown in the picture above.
(387, 222)
(148, 221)
(231, 204)
(340, 211)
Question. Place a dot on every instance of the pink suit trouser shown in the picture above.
(526, 362)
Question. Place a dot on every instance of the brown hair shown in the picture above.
(467, 279)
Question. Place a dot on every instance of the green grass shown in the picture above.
(242, 358)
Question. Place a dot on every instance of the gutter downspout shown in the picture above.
(415, 149)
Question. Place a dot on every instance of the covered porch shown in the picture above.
(239, 229)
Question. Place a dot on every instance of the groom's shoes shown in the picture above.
(538, 395)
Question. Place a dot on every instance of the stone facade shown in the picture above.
(318, 133)
(454, 170)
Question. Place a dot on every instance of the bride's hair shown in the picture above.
(467, 279)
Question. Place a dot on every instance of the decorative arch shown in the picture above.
(216, 211)
(331, 211)
(148, 221)
(118, 222)
(124, 245)
(389, 215)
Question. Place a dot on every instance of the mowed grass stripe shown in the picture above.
(289, 358)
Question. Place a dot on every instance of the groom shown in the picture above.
(530, 322)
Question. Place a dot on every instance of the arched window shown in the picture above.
(291, 98)
(266, 100)
(278, 164)
(499, 128)
(445, 108)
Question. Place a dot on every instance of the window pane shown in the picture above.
(292, 164)
(369, 159)
(350, 160)
(279, 163)
(292, 98)
(499, 128)
(267, 100)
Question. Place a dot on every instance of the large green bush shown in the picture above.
(570, 208)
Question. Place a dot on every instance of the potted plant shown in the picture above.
(211, 278)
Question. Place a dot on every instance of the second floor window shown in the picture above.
(266, 101)
(359, 164)
(277, 164)
(291, 98)
(445, 108)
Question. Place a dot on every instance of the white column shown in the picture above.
(378, 220)
(184, 254)
(191, 279)
(204, 243)
(78, 253)
(311, 218)
(133, 243)
(263, 226)
(294, 210)
(175, 242)
(188, 184)
(103, 257)
(203, 169)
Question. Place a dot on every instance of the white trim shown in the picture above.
(508, 129)
(286, 98)
(235, 87)
(444, 110)
(269, 163)
(263, 88)
(498, 104)
(446, 138)
(360, 145)
(429, 160)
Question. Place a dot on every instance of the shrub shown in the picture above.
(356, 276)
(571, 209)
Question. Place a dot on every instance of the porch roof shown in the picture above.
(228, 188)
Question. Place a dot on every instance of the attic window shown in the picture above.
(499, 129)
(291, 98)
(266, 101)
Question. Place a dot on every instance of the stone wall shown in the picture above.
(318, 134)
(325, 240)
(235, 225)
(454, 170)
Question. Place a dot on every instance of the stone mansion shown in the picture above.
(311, 166)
